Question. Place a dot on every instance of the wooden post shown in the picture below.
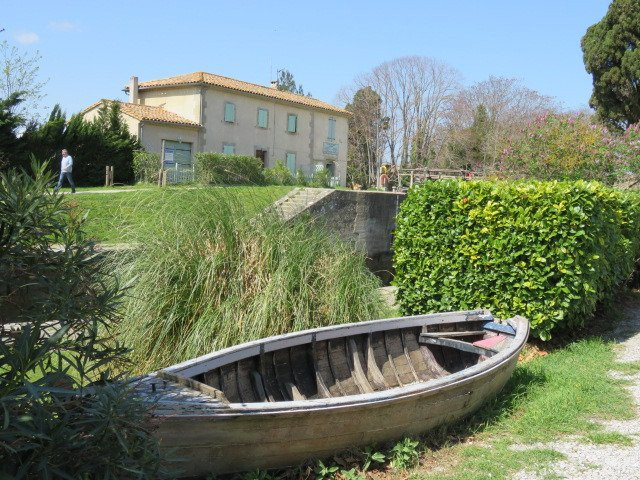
(411, 180)
(108, 176)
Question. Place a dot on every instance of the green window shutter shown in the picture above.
(291, 162)
(229, 112)
(229, 149)
(332, 129)
(263, 118)
(292, 123)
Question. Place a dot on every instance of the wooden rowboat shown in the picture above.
(278, 401)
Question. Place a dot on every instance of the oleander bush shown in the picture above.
(224, 169)
(64, 412)
(546, 250)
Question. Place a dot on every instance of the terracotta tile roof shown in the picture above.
(148, 113)
(238, 85)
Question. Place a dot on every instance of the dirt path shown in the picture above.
(590, 461)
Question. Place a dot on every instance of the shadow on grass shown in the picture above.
(491, 412)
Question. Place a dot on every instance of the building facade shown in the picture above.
(202, 112)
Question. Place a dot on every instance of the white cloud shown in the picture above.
(27, 38)
(63, 26)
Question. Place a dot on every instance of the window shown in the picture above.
(332, 129)
(291, 162)
(228, 148)
(263, 117)
(229, 112)
(292, 123)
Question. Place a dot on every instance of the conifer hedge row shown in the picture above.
(546, 250)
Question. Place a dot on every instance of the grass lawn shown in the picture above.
(548, 397)
(125, 216)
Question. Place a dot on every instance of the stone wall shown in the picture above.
(366, 218)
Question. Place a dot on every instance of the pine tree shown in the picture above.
(611, 56)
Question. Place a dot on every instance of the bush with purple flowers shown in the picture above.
(572, 147)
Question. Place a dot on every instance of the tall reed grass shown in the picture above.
(214, 274)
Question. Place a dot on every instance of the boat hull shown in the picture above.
(252, 438)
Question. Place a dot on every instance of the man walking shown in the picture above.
(66, 167)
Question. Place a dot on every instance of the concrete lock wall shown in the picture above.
(366, 218)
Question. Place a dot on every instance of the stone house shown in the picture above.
(203, 112)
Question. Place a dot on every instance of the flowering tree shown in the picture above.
(571, 147)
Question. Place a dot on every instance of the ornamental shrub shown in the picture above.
(279, 174)
(321, 178)
(146, 166)
(64, 413)
(571, 147)
(223, 169)
(546, 250)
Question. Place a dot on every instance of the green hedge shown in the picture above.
(222, 169)
(546, 250)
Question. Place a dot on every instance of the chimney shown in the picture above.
(133, 89)
(274, 84)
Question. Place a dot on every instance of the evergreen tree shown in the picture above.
(104, 141)
(611, 56)
(365, 129)
(479, 132)
(287, 83)
(10, 122)
(93, 145)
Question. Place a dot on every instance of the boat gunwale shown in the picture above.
(437, 385)
(209, 361)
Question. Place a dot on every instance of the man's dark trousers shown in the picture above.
(69, 178)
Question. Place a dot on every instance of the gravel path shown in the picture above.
(602, 462)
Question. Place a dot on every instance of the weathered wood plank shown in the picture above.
(410, 340)
(499, 327)
(326, 371)
(457, 344)
(212, 378)
(302, 371)
(396, 354)
(403, 333)
(228, 381)
(194, 384)
(358, 372)
(284, 376)
(244, 368)
(339, 362)
(384, 361)
(464, 333)
(374, 375)
(272, 389)
(259, 387)
(323, 390)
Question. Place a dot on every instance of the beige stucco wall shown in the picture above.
(247, 137)
(183, 101)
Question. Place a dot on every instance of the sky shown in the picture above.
(90, 49)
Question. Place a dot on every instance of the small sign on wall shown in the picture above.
(169, 157)
(330, 148)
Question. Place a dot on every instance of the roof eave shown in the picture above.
(164, 122)
(336, 111)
